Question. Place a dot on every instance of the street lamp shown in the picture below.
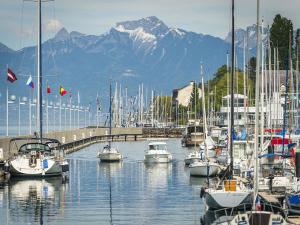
(20, 103)
(9, 100)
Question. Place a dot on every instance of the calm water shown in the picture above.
(99, 193)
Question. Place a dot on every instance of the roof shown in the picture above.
(157, 143)
(235, 96)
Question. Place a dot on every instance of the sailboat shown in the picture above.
(231, 193)
(109, 153)
(195, 155)
(37, 156)
(205, 167)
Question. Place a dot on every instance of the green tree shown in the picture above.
(252, 69)
(280, 32)
(297, 41)
(194, 104)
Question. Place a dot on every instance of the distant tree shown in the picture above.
(195, 100)
(252, 69)
(280, 32)
(219, 74)
(297, 41)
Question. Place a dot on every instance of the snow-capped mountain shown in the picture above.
(131, 52)
(249, 35)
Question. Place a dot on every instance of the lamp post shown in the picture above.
(51, 105)
(21, 102)
(8, 101)
(65, 114)
(57, 107)
(74, 109)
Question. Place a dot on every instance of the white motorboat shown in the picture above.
(109, 154)
(194, 156)
(157, 153)
(36, 158)
(205, 168)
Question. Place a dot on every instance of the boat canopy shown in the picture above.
(38, 147)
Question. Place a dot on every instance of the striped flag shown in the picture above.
(30, 82)
(11, 77)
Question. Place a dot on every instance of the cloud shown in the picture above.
(52, 25)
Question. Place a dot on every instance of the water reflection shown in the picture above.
(35, 197)
(128, 192)
(158, 174)
(110, 170)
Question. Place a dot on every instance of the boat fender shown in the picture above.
(202, 192)
(6, 166)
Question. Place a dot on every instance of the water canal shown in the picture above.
(123, 193)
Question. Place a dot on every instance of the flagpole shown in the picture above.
(65, 119)
(47, 114)
(78, 101)
(60, 113)
(19, 123)
(97, 110)
(47, 108)
(70, 113)
(29, 102)
(39, 72)
(6, 110)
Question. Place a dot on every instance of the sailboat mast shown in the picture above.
(257, 81)
(231, 94)
(110, 102)
(39, 73)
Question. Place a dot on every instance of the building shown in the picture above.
(182, 96)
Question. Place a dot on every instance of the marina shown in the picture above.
(137, 191)
(150, 124)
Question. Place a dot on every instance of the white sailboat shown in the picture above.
(38, 157)
(230, 193)
(109, 153)
(205, 167)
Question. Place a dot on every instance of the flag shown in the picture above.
(11, 76)
(48, 89)
(258, 203)
(62, 91)
(30, 82)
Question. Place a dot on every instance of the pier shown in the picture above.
(74, 140)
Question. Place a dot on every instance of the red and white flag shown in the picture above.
(11, 76)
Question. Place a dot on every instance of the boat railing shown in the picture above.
(243, 208)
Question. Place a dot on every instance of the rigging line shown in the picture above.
(21, 33)
(50, 42)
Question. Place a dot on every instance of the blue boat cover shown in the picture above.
(294, 199)
(45, 163)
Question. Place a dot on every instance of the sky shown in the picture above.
(18, 18)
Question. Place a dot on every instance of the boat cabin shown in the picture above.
(157, 146)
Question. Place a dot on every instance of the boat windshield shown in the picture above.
(35, 147)
(157, 147)
(192, 129)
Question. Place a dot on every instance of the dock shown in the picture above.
(74, 140)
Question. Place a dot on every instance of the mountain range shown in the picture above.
(132, 52)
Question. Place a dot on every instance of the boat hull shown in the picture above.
(204, 169)
(110, 157)
(229, 199)
(189, 161)
(158, 158)
(20, 167)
